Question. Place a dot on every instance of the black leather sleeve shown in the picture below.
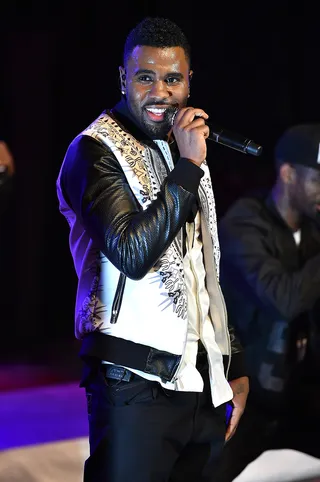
(236, 346)
(237, 365)
(133, 239)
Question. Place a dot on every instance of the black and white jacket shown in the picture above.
(126, 212)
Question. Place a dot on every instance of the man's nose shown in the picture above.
(160, 89)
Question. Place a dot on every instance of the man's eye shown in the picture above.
(144, 78)
(172, 80)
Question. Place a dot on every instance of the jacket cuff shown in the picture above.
(237, 366)
(187, 175)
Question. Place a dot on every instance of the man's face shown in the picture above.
(156, 82)
(305, 192)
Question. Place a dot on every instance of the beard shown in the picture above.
(161, 129)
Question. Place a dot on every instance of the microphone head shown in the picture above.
(173, 114)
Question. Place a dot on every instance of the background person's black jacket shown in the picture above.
(272, 288)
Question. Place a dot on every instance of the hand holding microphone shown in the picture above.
(191, 132)
(227, 138)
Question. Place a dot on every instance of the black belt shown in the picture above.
(122, 374)
(117, 373)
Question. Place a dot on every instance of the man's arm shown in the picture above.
(240, 388)
(239, 383)
(131, 238)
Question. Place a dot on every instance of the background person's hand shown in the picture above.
(6, 159)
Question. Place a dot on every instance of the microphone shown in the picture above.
(230, 139)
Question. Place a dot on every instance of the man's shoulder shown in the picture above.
(83, 146)
(245, 207)
(246, 222)
(249, 217)
(81, 141)
(86, 136)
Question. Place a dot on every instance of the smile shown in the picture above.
(156, 114)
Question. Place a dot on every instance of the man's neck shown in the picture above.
(291, 216)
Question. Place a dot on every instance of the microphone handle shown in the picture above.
(234, 141)
(229, 139)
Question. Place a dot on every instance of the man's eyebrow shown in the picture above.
(144, 71)
(152, 72)
(175, 74)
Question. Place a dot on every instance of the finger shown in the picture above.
(199, 124)
(204, 129)
(233, 423)
(232, 426)
(206, 132)
(190, 114)
(180, 113)
(230, 432)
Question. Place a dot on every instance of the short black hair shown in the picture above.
(156, 32)
(299, 145)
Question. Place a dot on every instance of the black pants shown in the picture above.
(258, 431)
(253, 436)
(140, 432)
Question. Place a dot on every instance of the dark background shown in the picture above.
(256, 71)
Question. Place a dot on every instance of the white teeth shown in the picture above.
(156, 111)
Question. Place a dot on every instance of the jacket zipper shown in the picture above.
(118, 299)
(226, 328)
(175, 377)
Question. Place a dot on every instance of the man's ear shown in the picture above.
(122, 79)
(190, 78)
(288, 173)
